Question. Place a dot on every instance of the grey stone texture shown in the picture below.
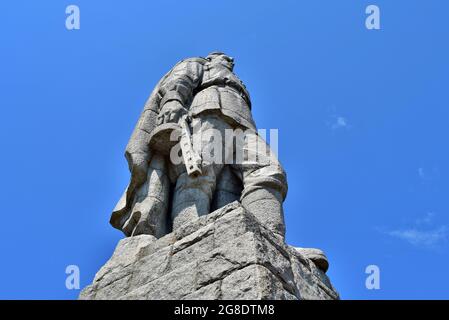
(205, 228)
(227, 254)
(204, 94)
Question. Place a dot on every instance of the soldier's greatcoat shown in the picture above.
(199, 86)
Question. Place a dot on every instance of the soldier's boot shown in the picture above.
(266, 205)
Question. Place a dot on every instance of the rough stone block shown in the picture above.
(224, 255)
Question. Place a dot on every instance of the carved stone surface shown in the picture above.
(200, 100)
(227, 254)
(210, 226)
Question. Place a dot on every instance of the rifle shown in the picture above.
(192, 159)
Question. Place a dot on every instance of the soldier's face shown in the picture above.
(227, 61)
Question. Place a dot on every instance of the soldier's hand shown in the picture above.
(172, 111)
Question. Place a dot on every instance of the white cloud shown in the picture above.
(428, 174)
(421, 172)
(423, 232)
(338, 122)
(426, 220)
(422, 238)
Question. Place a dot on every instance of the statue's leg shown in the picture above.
(149, 211)
(193, 195)
(229, 188)
(264, 184)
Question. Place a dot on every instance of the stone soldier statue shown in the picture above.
(162, 195)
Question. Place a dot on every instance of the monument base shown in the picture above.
(224, 255)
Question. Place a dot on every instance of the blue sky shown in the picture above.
(363, 119)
